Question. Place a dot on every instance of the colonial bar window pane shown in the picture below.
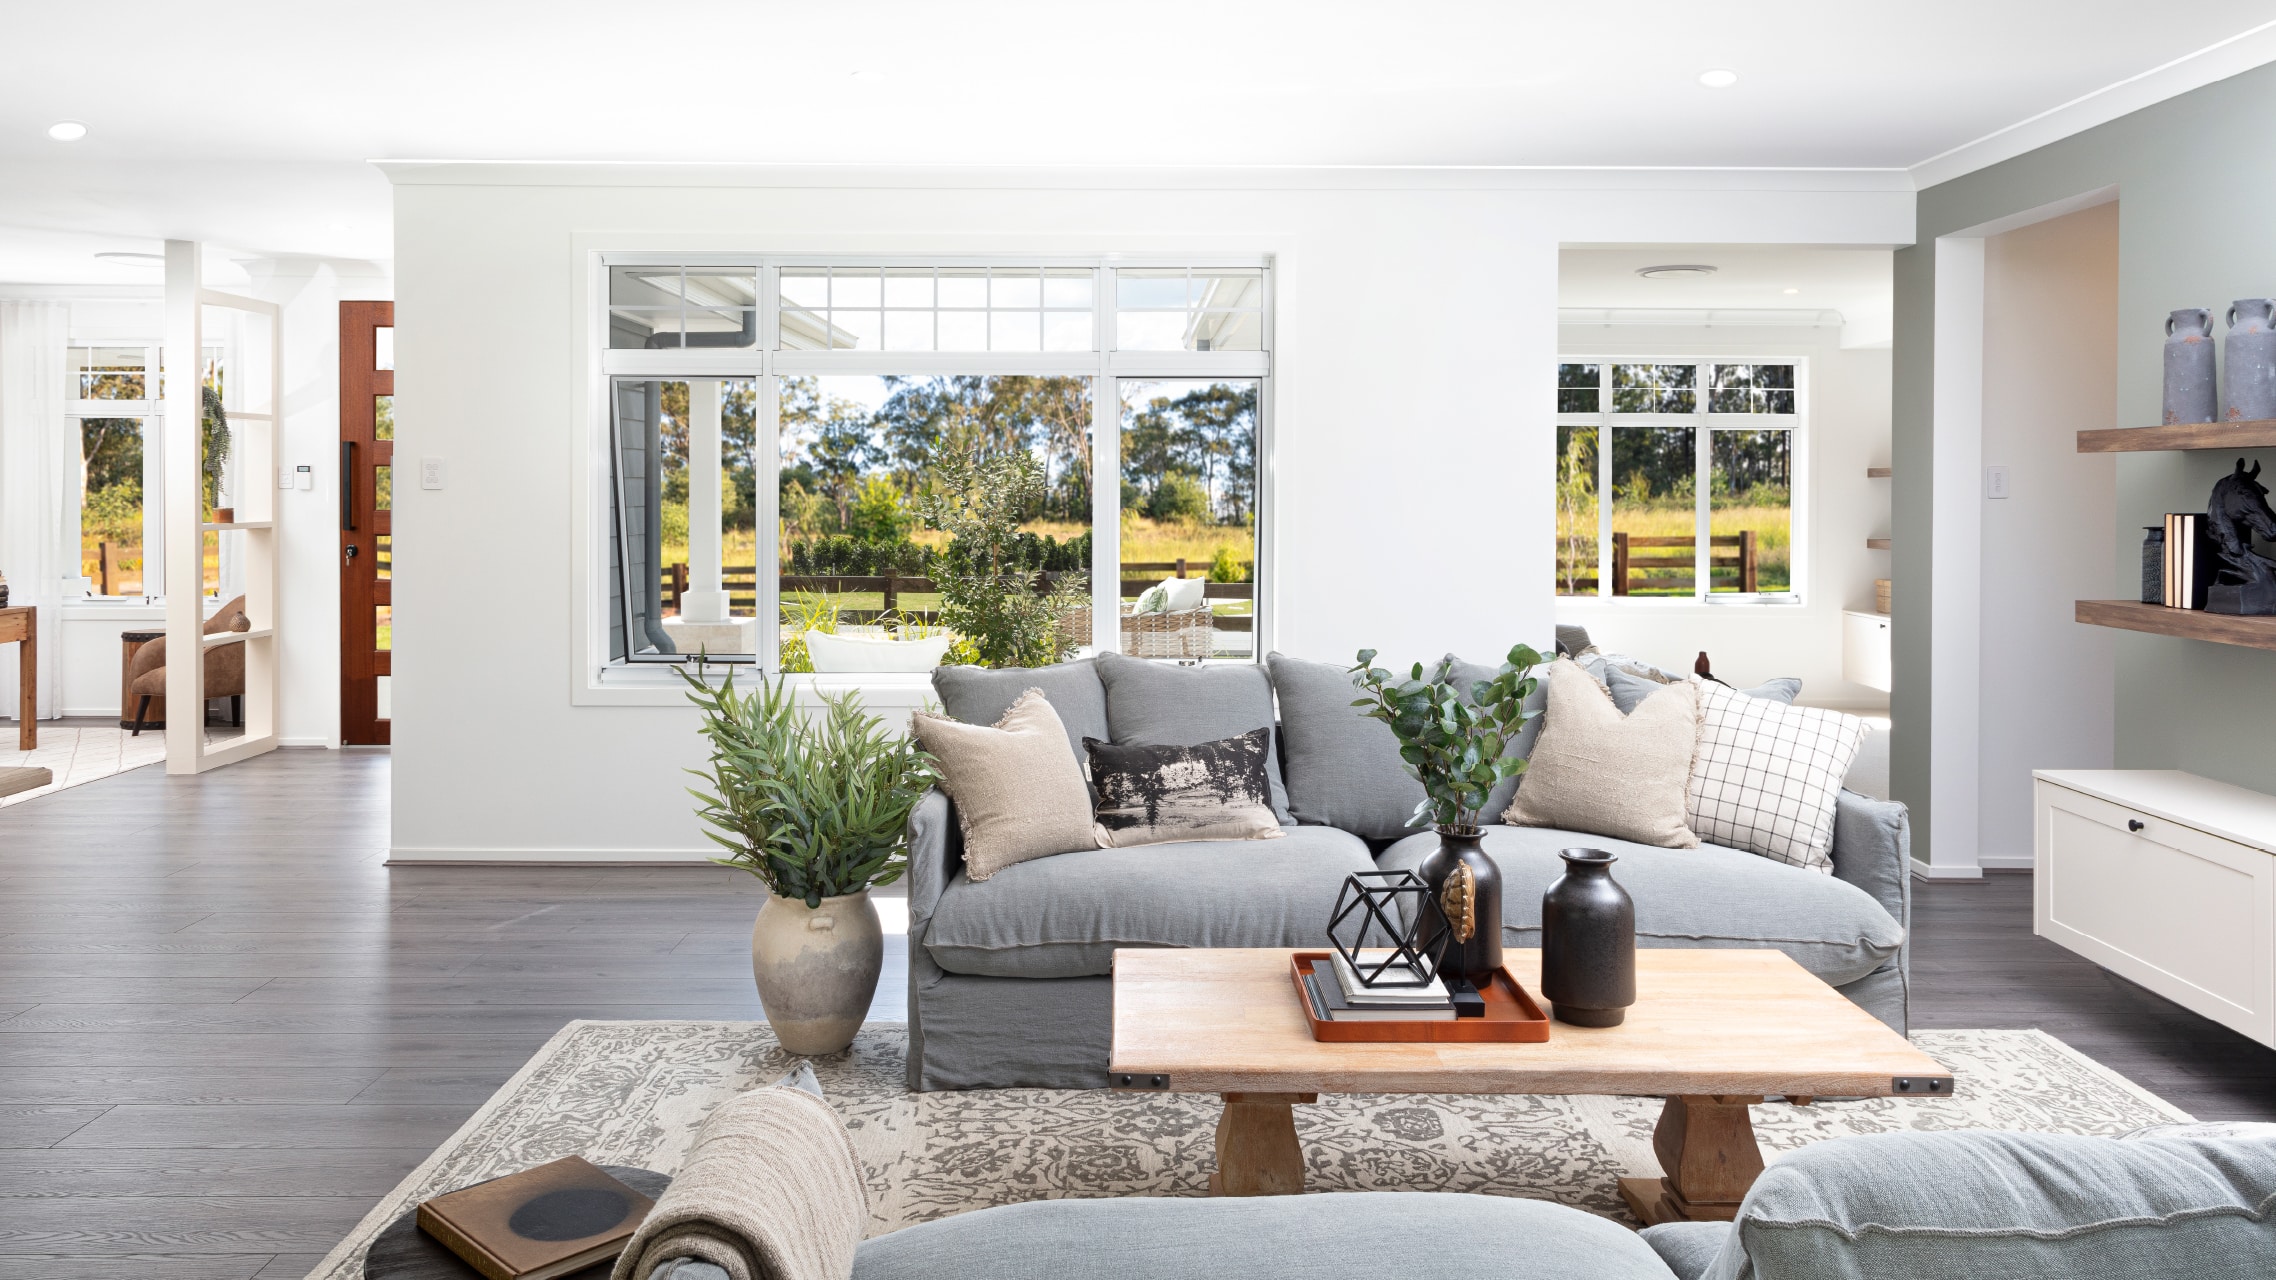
(1654, 517)
(1751, 388)
(855, 559)
(684, 467)
(660, 307)
(1189, 502)
(1654, 388)
(1576, 511)
(1751, 510)
(1185, 309)
(1578, 386)
(109, 373)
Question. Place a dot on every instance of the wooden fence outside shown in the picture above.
(741, 583)
(1731, 556)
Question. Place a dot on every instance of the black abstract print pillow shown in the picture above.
(1210, 791)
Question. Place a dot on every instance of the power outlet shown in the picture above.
(430, 473)
(1995, 482)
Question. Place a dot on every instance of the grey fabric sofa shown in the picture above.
(1009, 979)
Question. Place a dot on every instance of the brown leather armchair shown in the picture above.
(224, 666)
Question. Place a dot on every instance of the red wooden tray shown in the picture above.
(1511, 1015)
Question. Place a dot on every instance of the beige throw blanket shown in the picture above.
(771, 1190)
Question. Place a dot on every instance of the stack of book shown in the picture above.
(1339, 995)
(2190, 560)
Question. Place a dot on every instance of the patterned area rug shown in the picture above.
(634, 1092)
(78, 754)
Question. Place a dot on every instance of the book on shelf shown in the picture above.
(1328, 1002)
(2190, 560)
(1396, 985)
(537, 1224)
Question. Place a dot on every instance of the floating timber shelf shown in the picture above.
(2185, 435)
(2192, 624)
(1879, 473)
(1877, 544)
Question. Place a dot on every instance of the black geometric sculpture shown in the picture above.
(1397, 906)
(2239, 509)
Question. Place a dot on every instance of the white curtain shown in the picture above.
(39, 475)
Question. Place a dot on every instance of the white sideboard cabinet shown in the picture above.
(2167, 879)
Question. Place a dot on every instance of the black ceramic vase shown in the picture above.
(1474, 949)
(1588, 942)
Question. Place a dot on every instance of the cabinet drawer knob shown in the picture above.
(2135, 824)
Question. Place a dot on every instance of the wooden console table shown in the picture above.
(21, 623)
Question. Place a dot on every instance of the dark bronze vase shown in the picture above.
(1588, 942)
(1474, 949)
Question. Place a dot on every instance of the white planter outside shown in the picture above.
(817, 969)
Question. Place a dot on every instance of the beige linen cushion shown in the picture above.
(1018, 793)
(1598, 771)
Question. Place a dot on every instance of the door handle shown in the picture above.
(351, 551)
(348, 486)
(2135, 824)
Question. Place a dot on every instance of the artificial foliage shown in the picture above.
(215, 456)
(1452, 740)
(1007, 613)
(815, 805)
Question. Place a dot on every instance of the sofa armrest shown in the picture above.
(1872, 849)
(936, 850)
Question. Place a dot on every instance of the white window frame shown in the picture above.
(1702, 423)
(602, 681)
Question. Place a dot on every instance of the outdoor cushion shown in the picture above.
(1062, 917)
(1166, 705)
(1704, 897)
(977, 695)
(1344, 769)
(2017, 1206)
(1444, 1236)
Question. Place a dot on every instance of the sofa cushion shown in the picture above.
(977, 695)
(2017, 1206)
(1627, 690)
(1597, 770)
(1688, 1248)
(1162, 795)
(1344, 769)
(1016, 796)
(1163, 704)
(1334, 1237)
(1063, 917)
(1704, 897)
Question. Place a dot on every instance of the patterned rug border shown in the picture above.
(509, 1094)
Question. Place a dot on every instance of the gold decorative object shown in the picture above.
(1459, 901)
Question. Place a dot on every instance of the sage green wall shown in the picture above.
(2196, 179)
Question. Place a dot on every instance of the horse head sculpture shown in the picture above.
(2238, 510)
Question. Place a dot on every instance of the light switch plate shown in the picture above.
(1995, 482)
(430, 473)
(284, 477)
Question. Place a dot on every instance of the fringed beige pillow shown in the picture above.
(1597, 771)
(1018, 793)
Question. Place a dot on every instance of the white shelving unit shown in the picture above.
(256, 381)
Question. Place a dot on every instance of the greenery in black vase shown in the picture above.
(1453, 745)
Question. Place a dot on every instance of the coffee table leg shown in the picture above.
(1706, 1145)
(1257, 1152)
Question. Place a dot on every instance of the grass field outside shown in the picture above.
(1772, 524)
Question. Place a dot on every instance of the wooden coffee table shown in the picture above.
(1711, 1031)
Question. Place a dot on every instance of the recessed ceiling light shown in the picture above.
(1719, 78)
(1675, 271)
(67, 131)
(1793, 291)
(133, 259)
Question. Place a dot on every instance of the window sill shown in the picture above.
(1620, 604)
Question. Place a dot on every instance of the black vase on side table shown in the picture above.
(1588, 942)
(1467, 886)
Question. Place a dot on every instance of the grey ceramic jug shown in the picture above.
(2191, 394)
(2250, 354)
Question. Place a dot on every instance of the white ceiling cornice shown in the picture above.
(2233, 56)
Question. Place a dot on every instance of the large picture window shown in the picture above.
(1675, 479)
(774, 429)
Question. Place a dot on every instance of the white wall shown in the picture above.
(2050, 343)
(1411, 461)
(1847, 431)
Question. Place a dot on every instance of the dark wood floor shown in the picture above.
(226, 1028)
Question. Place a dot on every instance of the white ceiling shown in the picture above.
(249, 122)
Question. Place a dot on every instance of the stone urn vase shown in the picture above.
(817, 968)
(1468, 887)
(1588, 942)
(2249, 351)
(2192, 394)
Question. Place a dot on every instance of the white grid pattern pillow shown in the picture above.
(1767, 775)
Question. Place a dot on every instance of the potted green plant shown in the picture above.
(815, 803)
(1455, 743)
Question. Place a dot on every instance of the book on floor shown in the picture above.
(1327, 999)
(539, 1223)
(1359, 993)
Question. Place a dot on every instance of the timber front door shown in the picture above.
(367, 493)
